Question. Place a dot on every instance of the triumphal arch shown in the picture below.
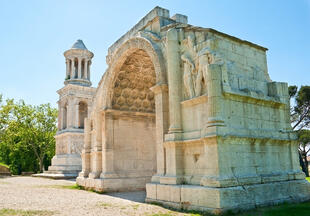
(190, 114)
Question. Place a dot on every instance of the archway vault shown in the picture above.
(123, 147)
(131, 90)
(116, 61)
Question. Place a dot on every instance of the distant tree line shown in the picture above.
(27, 132)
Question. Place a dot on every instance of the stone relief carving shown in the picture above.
(76, 147)
(195, 66)
(189, 69)
(132, 85)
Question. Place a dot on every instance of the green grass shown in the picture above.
(308, 179)
(15, 212)
(295, 209)
(281, 210)
(2, 164)
(71, 187)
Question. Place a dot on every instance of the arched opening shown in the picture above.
(133, 116)
(82, 114)
(64, 117)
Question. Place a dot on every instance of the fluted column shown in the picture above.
(85, 69)
(79, 68)
(72, 68)
(174, 80)
(172, 148)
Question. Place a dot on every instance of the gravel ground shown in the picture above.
(29, 193)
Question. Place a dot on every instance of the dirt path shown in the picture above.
(30, 193)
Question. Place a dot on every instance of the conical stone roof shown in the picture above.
(79, 45)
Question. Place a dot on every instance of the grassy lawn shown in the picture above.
(15, 212)
(308, 179)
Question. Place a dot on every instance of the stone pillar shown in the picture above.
(70, 114)
(79, 68)
(59, 116)
(107, 146)
(162, 126)
(96, 154)
(72, 69)
(76, 114)
(214, 89)
(67, 68)
(88, 70)
(85, 69)
(174, 80)
(86, 149)
(172, 148)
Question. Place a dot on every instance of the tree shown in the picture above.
(300, 118)
(304, 142)
(27, 135)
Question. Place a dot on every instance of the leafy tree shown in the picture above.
(27, 135)
(300, 118)
(304, 142)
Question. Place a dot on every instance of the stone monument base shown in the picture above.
(219, 200)
(65, 166)
(114, 184)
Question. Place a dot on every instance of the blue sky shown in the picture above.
(35, 33)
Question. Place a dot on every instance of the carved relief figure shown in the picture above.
(205, 58)
(190, 71)
(188, 74)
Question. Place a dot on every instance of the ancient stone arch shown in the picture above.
(190, 114)
(124, 108)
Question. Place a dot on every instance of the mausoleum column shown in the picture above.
(72, 68)
(88, 70)
(79, 68)
(76, 115)
(85, 69)
(70, 114)
(174, 81)
(67, 68)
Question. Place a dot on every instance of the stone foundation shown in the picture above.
(114, 184)
(64, 166)
(218, 200)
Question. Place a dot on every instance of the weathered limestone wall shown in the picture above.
(134, 142)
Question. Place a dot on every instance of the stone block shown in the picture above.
(151, 191)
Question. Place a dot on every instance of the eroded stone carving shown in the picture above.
(132, 85)
(189, 68)
(195, 66)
